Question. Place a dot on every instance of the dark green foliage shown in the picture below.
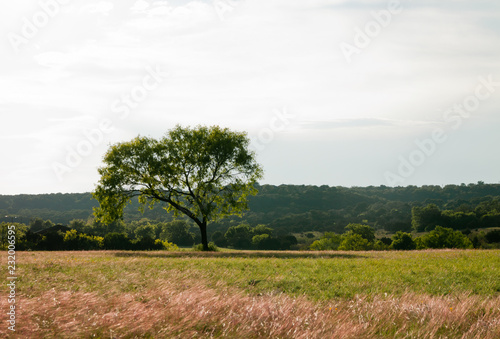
(211, 247)
(80, 225)
(386, 241)
(146, 244)
(403, 241)
(442, 237)
(491, 219)
(425, 218)
(178, 232)
(365, 231)
(146, 231)
(52, 241)
(459, 220)
(38, 224)
(292, 209)
(219, 239)
(329, 242)
(354, 242)
(478, 239)
(493, 236)
(117, 241)
(260, 237)
(80, 241)
(239, 236)
(287, 242)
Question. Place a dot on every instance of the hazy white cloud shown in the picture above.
(235, 66)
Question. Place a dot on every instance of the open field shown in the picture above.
(114, 294)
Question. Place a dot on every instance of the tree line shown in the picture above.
(360, 237)
(138, 235)
(297, 209)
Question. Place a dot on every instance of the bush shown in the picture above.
(442, 237)
(403, 241)
(493, 236)
(379, 245)
(365, 231)
(386, 241)
(219, 239)
(354, 242)
(117, 241)
(165, 245)
(145, 231)
(478, 239)
(51, 241)
(287, 241)
(147, 244)
(329, 242)
(211, 247)
(239, 236)
(80, 241)
(178, 232)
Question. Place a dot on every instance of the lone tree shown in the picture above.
(205, 173)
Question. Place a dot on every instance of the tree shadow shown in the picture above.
(241, 254)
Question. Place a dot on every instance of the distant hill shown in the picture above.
(286, 208)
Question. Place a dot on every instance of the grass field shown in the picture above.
(115, 294)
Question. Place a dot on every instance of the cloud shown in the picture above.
(102, 7)
(140, 6)
(236, 69)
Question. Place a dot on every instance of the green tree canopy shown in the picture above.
(205, 173)
(178, 232)
(403, 241)
(365, 231)
(145, 231)
(239, 236)
(353, 242)
(425, 218)
(442, 237)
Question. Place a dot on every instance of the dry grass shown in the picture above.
(187, 305)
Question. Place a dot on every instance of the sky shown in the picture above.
(331, 92)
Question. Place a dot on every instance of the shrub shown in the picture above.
(354, 242)
(178, 232)
(239, 236)
(117, 241)
(81, 241)
(365, 231)
(493, 236)
(211, 247)
(329, 242)
(386, 241)
(287, 242)
(442, 237)
(403, 241)
(379, 245)
(165, 245)
(51, 241)
(146, 244)
(219, 239)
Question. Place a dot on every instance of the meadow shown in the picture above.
(253, 294)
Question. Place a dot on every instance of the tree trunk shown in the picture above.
(204, 239)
